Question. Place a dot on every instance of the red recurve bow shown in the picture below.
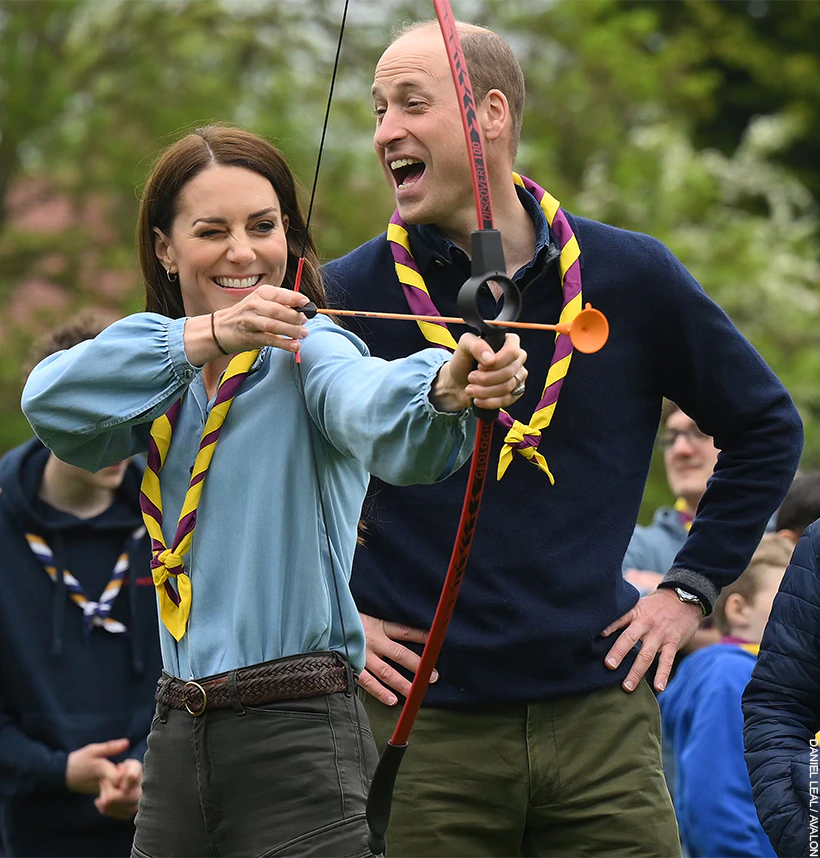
(487, 265)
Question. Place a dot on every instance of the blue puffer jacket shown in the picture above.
(781, 706)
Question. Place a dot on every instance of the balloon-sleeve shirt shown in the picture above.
(262, 579)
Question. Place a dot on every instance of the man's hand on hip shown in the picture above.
(663, 624)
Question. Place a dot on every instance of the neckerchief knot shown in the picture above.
(523, 439)
(174, 604)
(164, 564)
(95, 613)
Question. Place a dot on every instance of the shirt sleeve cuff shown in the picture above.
(437, 360)
(693, 582)
(183, 368)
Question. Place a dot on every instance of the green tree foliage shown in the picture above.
(760, 57)
(90, 91)
(745, 227)
(640, 113)
(624, 123)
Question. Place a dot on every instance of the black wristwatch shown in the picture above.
(691, 598)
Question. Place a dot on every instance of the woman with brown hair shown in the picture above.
(259, 745)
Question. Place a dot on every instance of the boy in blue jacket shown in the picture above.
(703, 720)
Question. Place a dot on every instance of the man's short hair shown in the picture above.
(78, 329)
(802, 504)
(774, 552)
(491, 64)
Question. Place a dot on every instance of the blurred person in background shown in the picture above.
(703, 720)
(689, 457)
(78, 638)
(781, 707)
(800, 507)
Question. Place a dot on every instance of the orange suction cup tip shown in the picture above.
(589, 330)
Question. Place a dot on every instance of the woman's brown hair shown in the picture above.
(181, 162)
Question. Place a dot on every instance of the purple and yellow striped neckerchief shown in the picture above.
(175, 603)
(685, 516)
(522, 438)
(94, 613)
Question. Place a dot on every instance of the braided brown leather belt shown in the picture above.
(288, 678)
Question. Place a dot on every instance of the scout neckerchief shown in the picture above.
(175, 603)
(94, 613)
(523, 438)
(753, 648)
(685, 516)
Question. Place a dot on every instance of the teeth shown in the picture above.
(238, 282)
(404, 162)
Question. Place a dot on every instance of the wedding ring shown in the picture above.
(520, 387)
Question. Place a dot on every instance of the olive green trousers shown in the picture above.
(574, 776)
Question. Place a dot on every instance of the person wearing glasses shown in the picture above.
(689, 457)
(538, 735)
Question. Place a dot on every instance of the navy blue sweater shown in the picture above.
(57, 691)
(544, 578)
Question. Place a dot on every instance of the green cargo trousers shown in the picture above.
(574, 776)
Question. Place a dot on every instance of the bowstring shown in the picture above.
(351, 679)
(324, 134)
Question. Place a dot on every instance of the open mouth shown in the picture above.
(406, 172)
(239, 282)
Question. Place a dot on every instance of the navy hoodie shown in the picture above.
(58, 690)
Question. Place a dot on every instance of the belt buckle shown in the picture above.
(201, 709)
